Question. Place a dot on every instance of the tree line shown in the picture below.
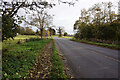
(29, 31)
(38, 10)
(99, 22)
(26, 31)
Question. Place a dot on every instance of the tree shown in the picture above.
(9, 12)
(10, 9)
(76, 36)
(60, 31)
(9, 25)
(10, 28)
(41, 19)
(37, 32)
(98, 22)
(65, 34)
(22, 31)
(51, 30)
(29, 31)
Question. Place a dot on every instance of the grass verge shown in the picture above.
(68, 37)
(18, 59)
(112, 46)
(57, 71)
(9, 42)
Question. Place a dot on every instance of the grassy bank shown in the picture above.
(57, 65)
(68, 37)
(9, 42)
(18, 59)
(112, 46)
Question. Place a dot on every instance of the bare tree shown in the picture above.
(51, 30)
(60, 31)
(41, 19)
(9, 14)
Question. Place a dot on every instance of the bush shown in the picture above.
(65, 34)
(76, 36)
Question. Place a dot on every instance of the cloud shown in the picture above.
(66, 15)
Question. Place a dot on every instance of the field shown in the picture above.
(9, 42)
(68, 37)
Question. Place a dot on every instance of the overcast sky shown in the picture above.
(66, 15)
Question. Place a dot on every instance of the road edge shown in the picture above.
(68, 71)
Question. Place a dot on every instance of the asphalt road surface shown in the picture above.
(89, 61)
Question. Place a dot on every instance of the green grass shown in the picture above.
(68, 37)
(0, 45)
(57, 65)
(9, 42)
(18, 59)
(25, 36)
(112, 46)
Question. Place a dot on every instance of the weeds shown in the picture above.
(57, 65)
(112, 46)
(19, 58)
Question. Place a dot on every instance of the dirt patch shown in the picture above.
(42, 66)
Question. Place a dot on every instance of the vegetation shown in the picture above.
(11, 19)
(41, 19)
(37, 32)
(112, 46)
(60, 31)
(26, 31)
(68, 37)
(57, 65)
(10, 28)
(18, 59)
(52, 31)
(65, 34)
(18, 38)
(99, 23)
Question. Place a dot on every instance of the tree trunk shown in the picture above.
(50, 33)
(41, 33)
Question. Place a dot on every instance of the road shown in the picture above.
(89, 61)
